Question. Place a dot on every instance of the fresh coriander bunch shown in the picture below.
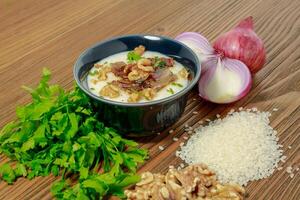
(59, 133)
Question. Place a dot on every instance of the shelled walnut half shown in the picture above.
(195, 182)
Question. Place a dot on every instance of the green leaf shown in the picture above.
(40, 109)
(39, 136)
(116, 139)
(58, 186)
(159, 63)
(21, 112)
(170, 90)
(137, 155)
(118, 159)
(57, 116)
(7, 173)
(129, 163)
(82, 195)
(91, 139)
(55, 170)
(20, 170)
(67, 147)
(79, 156)
(7, 130)
(123, 181)
(34, 111)
(129, 180)
(99, 186)
(55, 89)
(46, 74)
(90, 156)
(59, 122)
(28, 89)
(177, 84)
(60, 162)
(95, 72)
(37, 166)
(31, 175)
(74, 125)
(22, 134)
(132, 56)
(72, 162)
(29, 144)
(130, 143)
(76, 147)
(84, 172)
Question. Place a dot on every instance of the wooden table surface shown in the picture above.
(52, 33)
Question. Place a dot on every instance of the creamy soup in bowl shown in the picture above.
(137, 76)
(137, 84)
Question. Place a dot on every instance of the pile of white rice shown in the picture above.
(241, 147)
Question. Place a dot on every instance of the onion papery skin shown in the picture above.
(199, 44)
(243, 44)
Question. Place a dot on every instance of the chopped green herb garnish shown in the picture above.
(177, 84)
(59, 133)
(132, 56)
(170, 90)
(147, 98)
(160, 63)
(92, 88)
(95, 72)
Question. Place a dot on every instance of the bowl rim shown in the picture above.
(140, 104)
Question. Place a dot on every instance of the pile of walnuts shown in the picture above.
(194, 182)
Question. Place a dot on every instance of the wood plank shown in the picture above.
(34, 34)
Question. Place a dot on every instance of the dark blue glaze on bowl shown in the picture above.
(138, 119)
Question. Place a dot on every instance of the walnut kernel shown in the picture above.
(139, 50)
(149, 93)
(137, 75)
(102, 74)
(134, 97)
(145, 65)
(183, 73)
(110, 90)
(191, 185)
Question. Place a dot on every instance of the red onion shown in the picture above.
(243, 44)
(223, 80)
(199, 44)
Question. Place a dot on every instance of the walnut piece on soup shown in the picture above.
(137, 76)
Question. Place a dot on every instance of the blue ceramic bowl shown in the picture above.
(138, 119)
